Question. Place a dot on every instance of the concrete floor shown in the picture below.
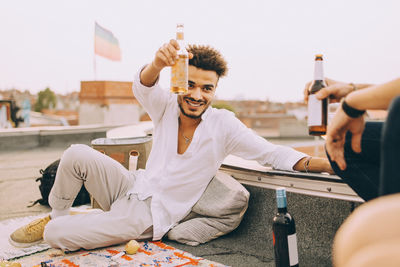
(18, 171)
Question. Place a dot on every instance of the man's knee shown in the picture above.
(78, 152)
(395, 105)
(391, 129)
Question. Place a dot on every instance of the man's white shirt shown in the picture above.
(176, 181)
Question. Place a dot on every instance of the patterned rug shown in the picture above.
(7, 251)
(149, 254)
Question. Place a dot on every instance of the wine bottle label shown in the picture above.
(292, 246)
(314, 111)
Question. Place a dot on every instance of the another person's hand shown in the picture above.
(336, 135)
(167, 54)
(335, 90)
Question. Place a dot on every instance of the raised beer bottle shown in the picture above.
(179, 71)
(284, 234)
(317, 109)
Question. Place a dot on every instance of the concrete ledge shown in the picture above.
(27, 138)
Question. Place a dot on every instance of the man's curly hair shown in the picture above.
(207, 58)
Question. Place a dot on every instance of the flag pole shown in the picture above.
(94, 53)
(94, 66)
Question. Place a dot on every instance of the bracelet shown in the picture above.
(354, 87)
(350, 111)
(307, 163)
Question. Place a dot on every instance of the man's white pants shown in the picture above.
(124, 218)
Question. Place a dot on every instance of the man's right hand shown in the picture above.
(166, 55)
(335, 90)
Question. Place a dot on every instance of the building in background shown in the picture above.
(108, 103)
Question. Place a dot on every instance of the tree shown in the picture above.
(46, 99)
(223, 104)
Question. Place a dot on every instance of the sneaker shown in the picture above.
(30, 234)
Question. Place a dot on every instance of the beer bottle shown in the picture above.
(284, 234)
(179, 71)
(317, 109)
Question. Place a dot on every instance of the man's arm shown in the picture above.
(243, 142)
(165, 56)
(374, 97)
(149, 75)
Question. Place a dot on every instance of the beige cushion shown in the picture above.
(219, 211)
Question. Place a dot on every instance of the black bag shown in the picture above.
(47, 181)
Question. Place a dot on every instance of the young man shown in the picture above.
(191, 140)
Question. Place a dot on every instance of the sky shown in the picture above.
(269, 45)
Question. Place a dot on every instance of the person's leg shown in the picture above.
(104, 178)
(128, 219)
(362, 172)
(390, 175)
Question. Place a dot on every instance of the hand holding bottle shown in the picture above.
(335, 90)
(165, 56)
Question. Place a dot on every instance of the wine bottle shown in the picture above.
(284, 234)
(317, 109)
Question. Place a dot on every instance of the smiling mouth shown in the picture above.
(193, 104)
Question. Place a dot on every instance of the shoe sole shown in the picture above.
(23, 245)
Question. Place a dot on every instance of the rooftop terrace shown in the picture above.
(319, 203)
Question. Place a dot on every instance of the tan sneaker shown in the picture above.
(30, 234)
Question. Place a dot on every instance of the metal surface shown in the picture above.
(314, 184)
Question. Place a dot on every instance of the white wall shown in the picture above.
(108, 114)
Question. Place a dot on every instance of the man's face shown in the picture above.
(201, 90)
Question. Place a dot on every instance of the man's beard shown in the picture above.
(189, 115)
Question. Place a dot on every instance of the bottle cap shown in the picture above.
(281, 197)
(318, 57)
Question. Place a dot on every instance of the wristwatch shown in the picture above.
(350, 111)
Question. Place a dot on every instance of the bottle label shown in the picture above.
(292, 246)
(179, 75)
(318, 70)
(314, 111)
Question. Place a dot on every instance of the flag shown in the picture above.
(105, 44)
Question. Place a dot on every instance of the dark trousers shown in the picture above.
(375, 171)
